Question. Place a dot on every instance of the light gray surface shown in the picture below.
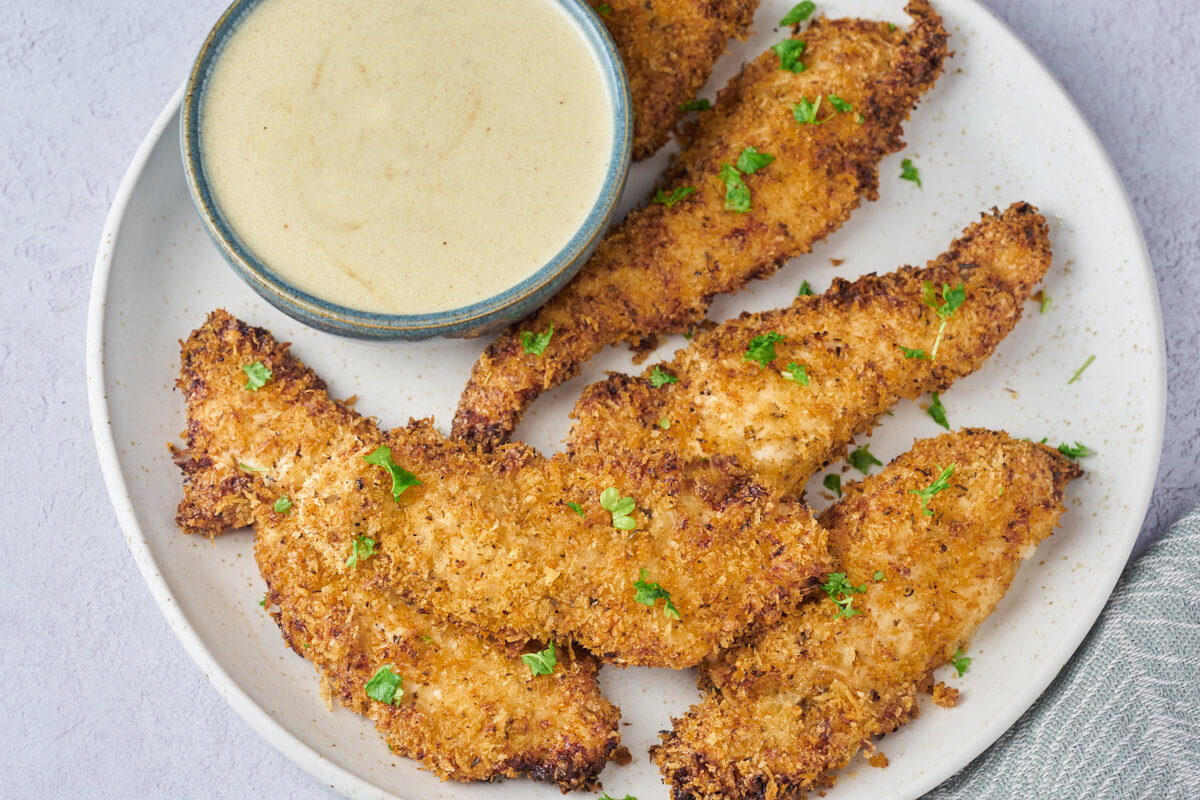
(99, 698)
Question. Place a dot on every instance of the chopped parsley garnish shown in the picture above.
(605, 796)
(604, 9)
(799, 13)
(839, 103)
(647, 593)
(257, 375)
(578, 509)
(861, 459)
(701, 104)
(668, 200)
(536, 343)
(795, 373)
(541, 663)
(362, 548)
(842, 592)
(952, 300)
(960, 662)
(762, 348)
(789, 52)
(805, 290)
(401, 478)
(938, 412)
(384, 686)
(914, 352)
(737, 193)
(1079, 371)
(879, 575)
(909, 173)
(665, 424)
(751, 161)
(1045, 302)
(283, 505)
(1075, 451)
(926, 494)
(658, 378)
(833, 482)
(263, 602)
(248, 468)
(806, 112)
(426, 639)
(620, 507)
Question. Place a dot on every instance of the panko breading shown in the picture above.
(659, 269)
(801, 699)
(470, 710)
(489, 540)
(848, 340)
(669, 48)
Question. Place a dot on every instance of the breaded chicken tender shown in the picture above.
(493, 540)
(669, 48)
(470, 710)
(801, 699)
(782, 424)
(659, 269)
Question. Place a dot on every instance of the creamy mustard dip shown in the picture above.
(405, 156)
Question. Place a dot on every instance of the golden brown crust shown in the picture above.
(848, 341)
(801, 699)
(659, 269)
(669, 48)
(471, 711)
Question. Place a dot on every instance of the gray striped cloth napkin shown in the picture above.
(1122, 720)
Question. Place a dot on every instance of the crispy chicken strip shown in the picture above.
(659, 269)
(490, 540)
(801, 699)
(669, 48)
(848, 342)
(470, 709)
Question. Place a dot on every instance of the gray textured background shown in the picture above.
(99, 700)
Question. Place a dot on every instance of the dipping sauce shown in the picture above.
(406, 156)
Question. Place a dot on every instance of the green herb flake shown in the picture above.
(861, 459)
(789, 52)
(796, 373)
(805, 290)
(859, 119)
(384, 686)
(751, 161)
(840, 104)
(1079, 371)
(426, 639)
(659, 379)
(842, 592)
(799, 13)
(541, 663)
(283, 505)
(701, 104)
(257, 375)
(665, 424)
(1075, 451)
(952, 300)
(401, 478)
(1045, 302)
(833, 482)
(805, 112)
(914, 352)
(762, 348)
(578, 509)
(536, 343)
(960, 662)
(737, 193)
(668, 200)
(362, 548)
(263, 602)
(647, 593)
(938, 412)
(604, 9)
(620, 507)
(605, 796)
(926, 494)
(248, 468)
(909, 173)
(879, 575)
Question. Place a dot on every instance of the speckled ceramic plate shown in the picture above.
(997, 128)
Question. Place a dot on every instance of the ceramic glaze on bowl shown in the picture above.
(386, 169)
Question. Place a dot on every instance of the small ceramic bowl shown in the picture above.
(476, 319)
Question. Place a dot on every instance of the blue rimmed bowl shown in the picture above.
(475, 319)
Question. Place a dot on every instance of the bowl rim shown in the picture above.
(319, 312)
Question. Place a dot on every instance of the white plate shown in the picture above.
(996, 129)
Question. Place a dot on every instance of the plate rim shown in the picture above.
(341, 779)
